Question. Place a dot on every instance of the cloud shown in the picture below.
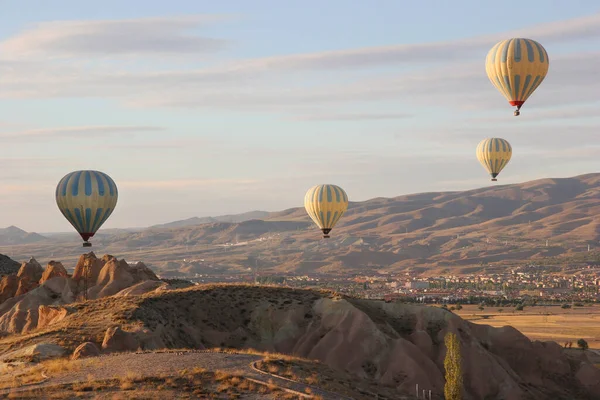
(351, 117)
(133, 37)
(172, 144)
(185, 184)
(81, 132)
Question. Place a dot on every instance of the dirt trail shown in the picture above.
(156, 363)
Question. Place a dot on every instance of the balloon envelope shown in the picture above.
(494, 154)
(516, 68)
(86, 199)
(325, 205)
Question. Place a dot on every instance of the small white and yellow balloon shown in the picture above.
(516, 67)
(494, 154)
(325, 204)
(86, 199)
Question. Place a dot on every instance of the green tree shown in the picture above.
(582, 344)
(452, 365)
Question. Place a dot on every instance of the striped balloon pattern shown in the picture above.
(86, 199)
(516, 68)
(325, 205)
(494, 154)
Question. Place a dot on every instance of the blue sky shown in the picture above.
(202, 108)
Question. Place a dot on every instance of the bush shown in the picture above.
(582, 344)
(565, 306)
(519, 307)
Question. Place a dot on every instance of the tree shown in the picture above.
(519, 307)
(480, 308)
(582, 344)
(452, 365)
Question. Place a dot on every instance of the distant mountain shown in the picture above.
(8, 266)
(232, 218)
(13, 235)
(485, 228)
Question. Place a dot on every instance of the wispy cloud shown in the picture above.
(186, 183)
(171, 144)
(236, 85)
(133, 37)
(351, 117)
(82, 132)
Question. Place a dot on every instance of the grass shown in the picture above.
(195, 383)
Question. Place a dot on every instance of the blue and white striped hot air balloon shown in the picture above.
(86, 199)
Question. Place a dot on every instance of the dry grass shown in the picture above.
(196, 383)
(319, 375)
(544, 323)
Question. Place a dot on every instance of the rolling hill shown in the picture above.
(461, 231)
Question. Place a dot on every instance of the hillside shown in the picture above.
(542, 221)
(234, 218)
(8, 265)
(13, 235)
(391, 346)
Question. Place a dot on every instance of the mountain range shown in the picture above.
(466, 231)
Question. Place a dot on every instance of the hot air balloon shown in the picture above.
(326, 204)
(517, 67)
(494, 154)
(86, 199)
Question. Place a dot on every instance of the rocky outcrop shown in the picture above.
(142, 287)
(84, 350)
(53, 269)
(25, 306)
(88, 263)
(117, 275)
(8, 287)
(21, 313)
(29, 276)
(37, 352)
(48, 315)
(118, 340)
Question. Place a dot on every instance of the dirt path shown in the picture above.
(157, 363)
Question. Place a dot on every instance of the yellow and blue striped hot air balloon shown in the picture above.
(86, 199)
(494, 154)
(325, 205)
(517, 67)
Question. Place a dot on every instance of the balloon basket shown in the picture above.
(87, 244)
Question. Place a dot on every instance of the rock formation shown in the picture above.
(30, 299)
(116, 339)
(29, 276)
(52, 270)
(398, 345)
(87, 349)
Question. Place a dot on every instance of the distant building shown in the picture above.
(417, 285)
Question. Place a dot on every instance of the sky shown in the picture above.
(199, 108)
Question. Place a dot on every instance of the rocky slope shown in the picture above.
(396, 345)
